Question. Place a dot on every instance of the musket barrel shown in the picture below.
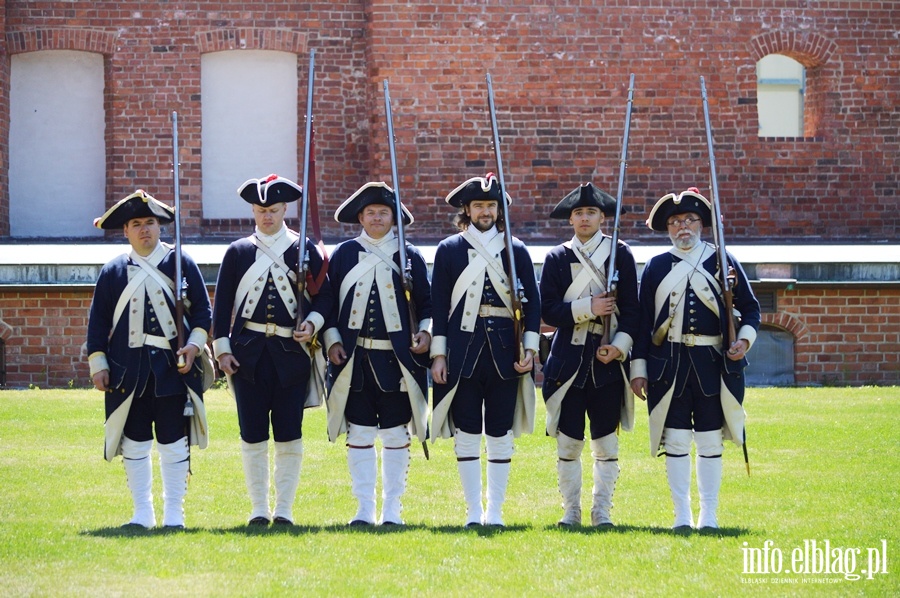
(515, 292)
(612, 273)
(714, 187)
(179, 276)
(401, 235)
(303, 258)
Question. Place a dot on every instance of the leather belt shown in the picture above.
(489, 311)
(270, 329)
(700, 340)
(374, 344)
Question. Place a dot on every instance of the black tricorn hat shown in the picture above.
(139, 204)
(367, 195)
(270, 190)
(486, 188)
(671, 205)
(586, 196)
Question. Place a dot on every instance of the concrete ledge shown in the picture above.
(31, 266)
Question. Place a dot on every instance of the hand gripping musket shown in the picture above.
(515, 287)
(406, 280)
(612, 278)
(303, 261)
(405, 267)
(180, 281)
(727, 276)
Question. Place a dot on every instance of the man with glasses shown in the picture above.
(677, 358)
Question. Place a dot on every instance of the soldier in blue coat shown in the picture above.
(682, 362)
(274, 368)
(378, 350)
(133, 357)
(584, 373)
(477, 367)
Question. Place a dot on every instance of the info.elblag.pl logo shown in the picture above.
(818, 558)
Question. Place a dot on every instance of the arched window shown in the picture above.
(249, 124)
(771, 358)
(57, 151)
(781, 86)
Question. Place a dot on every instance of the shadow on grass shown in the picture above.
(299, 530)
(722, 532)
(481, 530)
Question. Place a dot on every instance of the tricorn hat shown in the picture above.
(585, 196)
(486, 188)
(367, 195)
(270, 190)
(671, 204)
(139, 204)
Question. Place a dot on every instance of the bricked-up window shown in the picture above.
(57, 151)
(780, 92)
(250, 103)
(771, 358)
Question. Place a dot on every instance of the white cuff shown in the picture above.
(530, 341)
(438, 346)
(748, 333)
(638, 368)
(198, 337)
(331, 337)
(221, 346)
(98, 362)
(425, 325)
(581, 310)
(622, 341)
(316, 319)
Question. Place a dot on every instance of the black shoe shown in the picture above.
(258, 522)
(173, 528)
(134, 526)
(282, 521)
(472, 525)
(359, 523)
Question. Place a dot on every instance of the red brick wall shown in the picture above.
(842, 336)
(560, 70)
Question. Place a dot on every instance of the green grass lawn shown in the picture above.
(825, 467)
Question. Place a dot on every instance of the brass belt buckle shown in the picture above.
(687, 340)
(271, 328)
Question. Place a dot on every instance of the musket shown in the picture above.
(726, 272)
(180, 282)
(515, 288)
(612, 273)
(405, 267)
(303, 260)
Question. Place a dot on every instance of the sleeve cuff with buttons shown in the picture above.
(331, 338)
(221, 346)
(581, 310)
(438, 346)
(97, 362)
(638, 368)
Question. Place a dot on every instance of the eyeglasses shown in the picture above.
(679, 222)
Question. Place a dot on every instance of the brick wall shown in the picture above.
(560, 70)
(842, 336)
